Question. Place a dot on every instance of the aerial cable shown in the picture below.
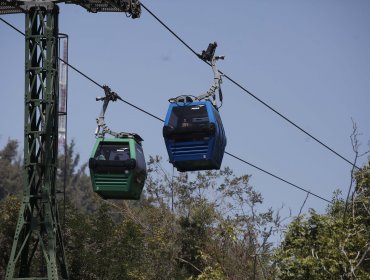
(82, 74)
(158, 118)
(289, 121)
(277, 177)
(12, 26)
(142, 110)
(169, 29)
(250, 93)
(102, 87)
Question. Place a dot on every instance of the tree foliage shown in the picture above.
(73, 180)
(11, 173)
(334, 245)
(222, 230)
(9, 208)
(200, 225)
(208, 225)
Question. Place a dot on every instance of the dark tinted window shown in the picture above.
(118, 151)
(140, 159)
(218, 119)
(185, 116)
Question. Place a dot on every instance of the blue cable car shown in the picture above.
(193, 132)
(194, 136)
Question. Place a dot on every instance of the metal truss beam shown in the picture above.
(21, 6)
(131, 7)
(10, 7)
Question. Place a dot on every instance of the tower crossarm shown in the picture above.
(11, 7)
(131, 7)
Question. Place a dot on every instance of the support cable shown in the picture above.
(12, 26)
(251, 94)
(169, 29)
(277, 177)
(158, 118)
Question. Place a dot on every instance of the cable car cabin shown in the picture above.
(194, 136)
(117, 168)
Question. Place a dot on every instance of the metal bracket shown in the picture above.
(209, 57)
(103, 128)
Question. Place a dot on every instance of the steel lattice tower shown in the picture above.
(38, 239)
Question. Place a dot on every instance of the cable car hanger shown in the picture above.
(103, 128)
(209, 57)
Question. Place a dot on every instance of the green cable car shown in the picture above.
(117, 164)
(117, 168)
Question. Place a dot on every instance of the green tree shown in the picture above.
(198, 225)
(334, 245)
(72, 176)
(11, 173)
(221, 229)
(9, 209)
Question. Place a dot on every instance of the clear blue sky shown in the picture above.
(310, 60)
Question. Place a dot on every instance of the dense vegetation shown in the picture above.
(202, 225)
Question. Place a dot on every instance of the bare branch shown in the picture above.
(355, 147)
(354, 137)
(314, 254)
(363, 256)
(262, 267)
(304, 202)
(185, 261)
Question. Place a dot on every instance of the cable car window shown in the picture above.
(113, 152)
(173, 119)
(140, 159)
(217, 117)
(188, 116)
